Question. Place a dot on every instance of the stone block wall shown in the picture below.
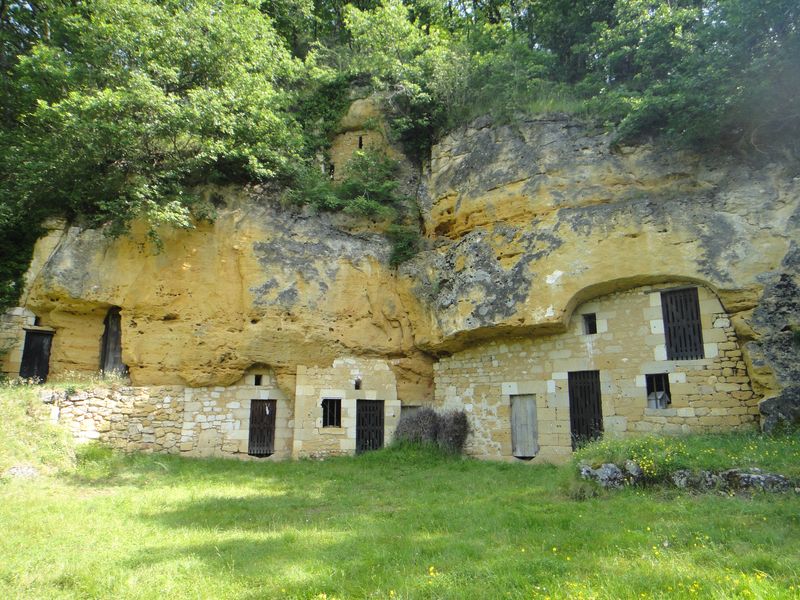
(709, 394)
(133, 419)
(174, 419)
(377, 382)
(346, 144)
(12, 338)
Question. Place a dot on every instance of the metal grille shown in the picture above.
(369, 425)
(36, 355)
(585, 411)
(262, 428)
(331, 412)
(682, 328)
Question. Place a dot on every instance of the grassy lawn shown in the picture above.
(390, 524)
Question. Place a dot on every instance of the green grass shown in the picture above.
(396, 523)
(26, 436)
(660, 456)
(399, 523)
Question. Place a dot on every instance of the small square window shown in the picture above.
(658, 395)
(257, 379)
(590, 323)
(331, 412)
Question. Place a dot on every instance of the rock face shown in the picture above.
(260, 285)
(532, 219)
(524, 223)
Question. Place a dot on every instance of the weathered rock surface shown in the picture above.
(530, 220)
(524, 223)
(608, 475)
(261, 285)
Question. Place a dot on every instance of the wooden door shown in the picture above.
(111, 352)
(585, 410)
(262, 428)
(36, 355)
(524, 428)
(683, 330)
(369, 425)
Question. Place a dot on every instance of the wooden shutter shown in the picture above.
(524, 428)
(682, 328)
(262, 428)
(585, 408)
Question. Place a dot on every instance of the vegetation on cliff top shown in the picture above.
(111, 111)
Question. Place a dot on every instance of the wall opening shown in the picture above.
(658, 395)
(585, 409)
(111, 344)
(682, 327)
(369, 425)
(331, 412)
(590, 323)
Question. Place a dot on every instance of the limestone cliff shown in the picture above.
(530, 220)
(261, 285)
(523, 223)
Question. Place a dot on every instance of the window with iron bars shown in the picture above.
(331, 412)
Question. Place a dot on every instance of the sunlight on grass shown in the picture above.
(416, 524)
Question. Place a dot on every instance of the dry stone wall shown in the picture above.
(211, 421)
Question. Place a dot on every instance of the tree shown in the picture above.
(115, 110)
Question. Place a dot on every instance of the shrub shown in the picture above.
(453, 431)
(420, 427)
(448, 430)
(405, 243)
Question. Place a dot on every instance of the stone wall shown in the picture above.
(376, 381)
(212, 421)
(709, 394)
(215, 421)
(12, 339)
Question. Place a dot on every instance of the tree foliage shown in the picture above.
(111, 111)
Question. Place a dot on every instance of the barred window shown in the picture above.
(331, 412)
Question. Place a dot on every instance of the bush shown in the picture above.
(405, 243)
(448, 431)
(453, 431)
(420, 427)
